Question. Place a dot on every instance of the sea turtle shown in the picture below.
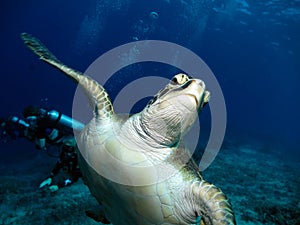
(153, 181)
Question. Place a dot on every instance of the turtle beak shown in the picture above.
(205, 98)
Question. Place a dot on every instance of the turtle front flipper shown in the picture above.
(97, 95)
(211, 204)
(97, 214)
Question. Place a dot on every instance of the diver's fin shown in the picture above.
(96, 94)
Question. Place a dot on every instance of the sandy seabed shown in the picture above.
(263, 189)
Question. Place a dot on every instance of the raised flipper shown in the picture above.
(211, 204)
(97, 95)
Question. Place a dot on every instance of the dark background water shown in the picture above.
(252, 48)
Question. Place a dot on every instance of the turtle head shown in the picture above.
(170, 114)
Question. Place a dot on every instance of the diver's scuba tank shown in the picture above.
(64, 121)
(54, 118)
(51, 125)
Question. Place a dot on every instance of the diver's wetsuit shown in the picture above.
(48, 127)
(66, 170)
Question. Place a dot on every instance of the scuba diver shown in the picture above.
(48, 128)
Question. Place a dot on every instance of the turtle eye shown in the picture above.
(180, 79)
(175, 80)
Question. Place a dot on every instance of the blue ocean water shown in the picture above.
(252, 47)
